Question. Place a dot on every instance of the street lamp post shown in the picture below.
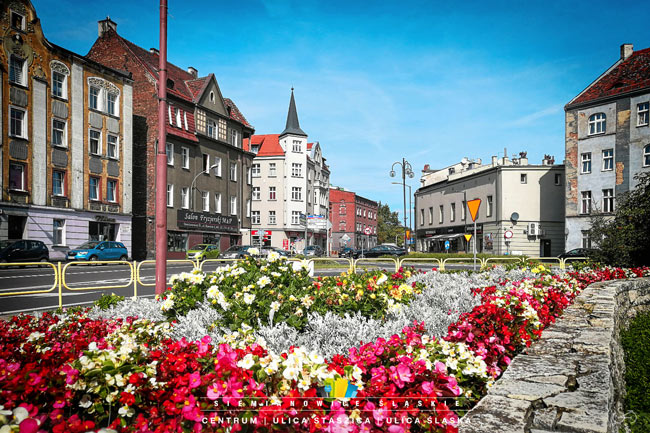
(213, 166)
(407, 170)
(410, 206)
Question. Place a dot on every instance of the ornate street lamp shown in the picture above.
(407, 170)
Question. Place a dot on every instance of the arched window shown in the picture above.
(646, 155)
(60, 74)
(103, 96)
(597, 123)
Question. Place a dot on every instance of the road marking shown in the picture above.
(54, 307)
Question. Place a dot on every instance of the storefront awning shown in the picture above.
(446, 237)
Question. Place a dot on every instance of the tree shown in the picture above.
(624, 239)
(389, 229)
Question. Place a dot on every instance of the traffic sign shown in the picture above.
(345, 237)
(447, 245)
(468, 237)
(473, 206)
(507, 234)
(367, 230)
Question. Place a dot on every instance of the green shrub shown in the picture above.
(636, 344)
(107, 301)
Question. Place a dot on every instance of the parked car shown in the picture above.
(381, 250)
(577, 252)
(23, 250)
(266, 250)
(99, 250)
(236, 252)
(313, 251)
(201, 252)
(347, 252)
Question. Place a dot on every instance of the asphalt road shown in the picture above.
(98, 279)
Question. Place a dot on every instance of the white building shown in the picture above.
(290, 179)
(521, 211)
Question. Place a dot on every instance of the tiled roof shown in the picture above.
(631, 74)
(188, 133)
(269, 145)
(186, 86)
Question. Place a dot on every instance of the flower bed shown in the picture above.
(76, 374)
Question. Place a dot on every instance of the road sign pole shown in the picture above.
(475, 245)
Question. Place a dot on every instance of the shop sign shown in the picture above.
(206, 221)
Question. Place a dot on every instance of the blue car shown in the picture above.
(99, 250)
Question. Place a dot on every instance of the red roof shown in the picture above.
(269, 145)
(631, 74)
(185, 85)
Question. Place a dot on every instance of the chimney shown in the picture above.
(104, 26)
(193, 72)
(494, 161)
(154, 51)
(626, 51)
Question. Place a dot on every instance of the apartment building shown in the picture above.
(607, 141)
(354, 220)
(66, 144)
(521, 211)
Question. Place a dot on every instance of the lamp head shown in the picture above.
(392, 173)
(411, 174)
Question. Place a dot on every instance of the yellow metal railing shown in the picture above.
(81, 289)
(487, 260)
(421, 259)
(349, 262)
(57, 271)
(377, 259)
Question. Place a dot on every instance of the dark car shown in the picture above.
(313, 251)
(99, 250)
(381, 250)
(347, 252)
(577, 252)
(236, 252)
(23, 250)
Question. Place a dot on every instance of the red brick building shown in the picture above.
(352, 218)
(208, 171)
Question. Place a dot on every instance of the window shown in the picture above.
(169, 148)
(170, 195)
(642, 114)
(233, 205)
(586, 202)
(248, 208)
(95, 143)
(523, 178)
(597, 123)
(222, 130)
(296, 169)
(586, 163)
(608, 159)
(185, 158)
(488, 209)
(111, 99)
(217, 202)
(58, 183)
(430, 215)
(217, 168)
(463, 210)
(212, 97)
(58, 84)
(17, 122)
(93, 188)
(646, 155)
(169, 114)
(342, 208)
(111, 146)
(17, 21)
(441, 214)
(16, 177)
(212, 129)
(295, 217)
(185, 198)
(179, 118)
(93, 97)
(256, 193)
(58, 232)
(272, 172)
(206, 163)
(185, 121)
(257, 172)
(176, 241)
(233, 171)
(255, 148)
(586, 239)
(296, 193)
(235, 138)
(558, 179)
(255, 217)
(17, 72)
(205, 198)
(608, 200)
(296, 146)
(111, 190)
(58, 133)
(249, 176)
(272, 219)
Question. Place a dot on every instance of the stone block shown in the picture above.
(95, 165)
(18, 97)
(113, 168)
(96, 120)
(545, 418)
(60, 109)
(583, 423)
(18, 150)
(523, 390)
(497, 414)
(113, 125)
(60, 158)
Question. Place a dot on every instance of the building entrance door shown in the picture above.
(16, 226)
(546, 248)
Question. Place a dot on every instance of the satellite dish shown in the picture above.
(514, 217)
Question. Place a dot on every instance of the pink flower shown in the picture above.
(396, 429)
(28, 425)
(400, 374)
(195, 380)
(216, 390)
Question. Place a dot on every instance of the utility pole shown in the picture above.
(161, 158)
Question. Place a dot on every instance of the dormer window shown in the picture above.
(255, 149)
(170, 83)
(17, 21)
(597, 123)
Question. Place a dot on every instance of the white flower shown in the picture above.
(275, 306)
(126, 411)
(85, 402)
(167, 304)
(213, 292)
(263, 281)
(20, 413)
(290, 373)
(273, 256)
(247, 362)
(249, 298)
(382, 279)
(253, 251)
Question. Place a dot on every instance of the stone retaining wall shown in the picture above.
(571, 380)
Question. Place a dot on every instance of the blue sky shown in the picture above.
(377, 81)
